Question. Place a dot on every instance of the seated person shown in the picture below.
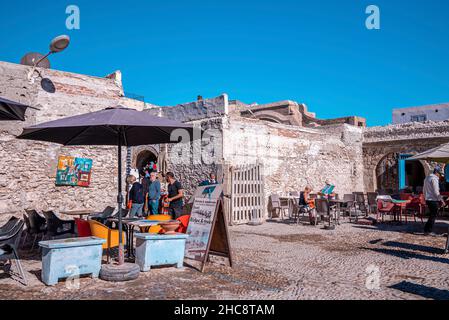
(307, 204)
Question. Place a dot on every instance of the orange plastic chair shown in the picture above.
(111, 236)
(184, 223)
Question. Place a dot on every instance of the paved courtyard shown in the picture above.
(283, 261)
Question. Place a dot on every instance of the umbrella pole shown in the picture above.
(121, 255)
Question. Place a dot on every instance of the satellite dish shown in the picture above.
(59, 43)
(31, 58)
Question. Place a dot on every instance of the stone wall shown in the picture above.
(409, 138)
(28, 170)
(295, 157)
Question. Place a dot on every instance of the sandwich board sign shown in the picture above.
(207, 230)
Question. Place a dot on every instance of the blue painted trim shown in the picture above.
(402, 173)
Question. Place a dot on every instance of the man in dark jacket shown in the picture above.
(137, 198)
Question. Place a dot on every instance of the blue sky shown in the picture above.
(315, 52)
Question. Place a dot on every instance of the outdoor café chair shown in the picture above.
(82, 228)
(110, 235)
(349, 200)
(384, 207)
(8, 253)
(416, 207)
(324, 210)
(185, 219)
(13, 236)
(102, 216)
(277, 207)
(38, 226)
(56, 226)
(360, 203)
(372, 201)
(8, 226)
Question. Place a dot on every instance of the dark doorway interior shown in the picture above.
(143, 159)
(414, 175)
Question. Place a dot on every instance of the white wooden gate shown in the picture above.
(247, 194)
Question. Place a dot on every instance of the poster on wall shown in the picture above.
(73, 171)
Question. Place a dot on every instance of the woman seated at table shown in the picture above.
(307, 204)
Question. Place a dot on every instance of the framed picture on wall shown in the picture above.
(73, 171)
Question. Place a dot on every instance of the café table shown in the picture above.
(79, 213)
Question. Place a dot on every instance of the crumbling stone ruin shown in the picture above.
(293, 147)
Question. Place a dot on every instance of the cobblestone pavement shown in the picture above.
(283, 261)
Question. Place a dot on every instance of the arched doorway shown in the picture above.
(395, 172)
(414, 175)
(387, 173)
(144, 158)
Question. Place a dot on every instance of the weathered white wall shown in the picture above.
(28, 168)
(295, 157)
(437, 112)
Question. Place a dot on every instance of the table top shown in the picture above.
(77, 212)
(71, 242)
(151, 236)
(147, 223)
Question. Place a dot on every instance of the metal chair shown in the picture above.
(360, 207)
(372, 202)
(349, 200)
(276, 206)
(56, 226)
(324, 210)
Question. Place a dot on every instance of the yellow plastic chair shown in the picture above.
(160, 217)
(111, 236)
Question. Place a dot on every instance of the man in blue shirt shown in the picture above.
(154, 194)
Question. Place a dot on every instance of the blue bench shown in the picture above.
(159, 249)
(72, 257)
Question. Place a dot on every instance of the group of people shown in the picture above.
(145, 195)
(431, 191)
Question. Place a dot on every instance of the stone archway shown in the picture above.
(143, 155)
(386, 173)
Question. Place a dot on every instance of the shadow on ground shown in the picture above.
(421, 290)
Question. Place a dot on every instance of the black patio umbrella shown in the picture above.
(10, 110)
(112, 126)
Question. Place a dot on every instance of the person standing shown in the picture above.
(137, 198)
(175, 195)
(146, 186)
(154, 194)
(433, 198)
